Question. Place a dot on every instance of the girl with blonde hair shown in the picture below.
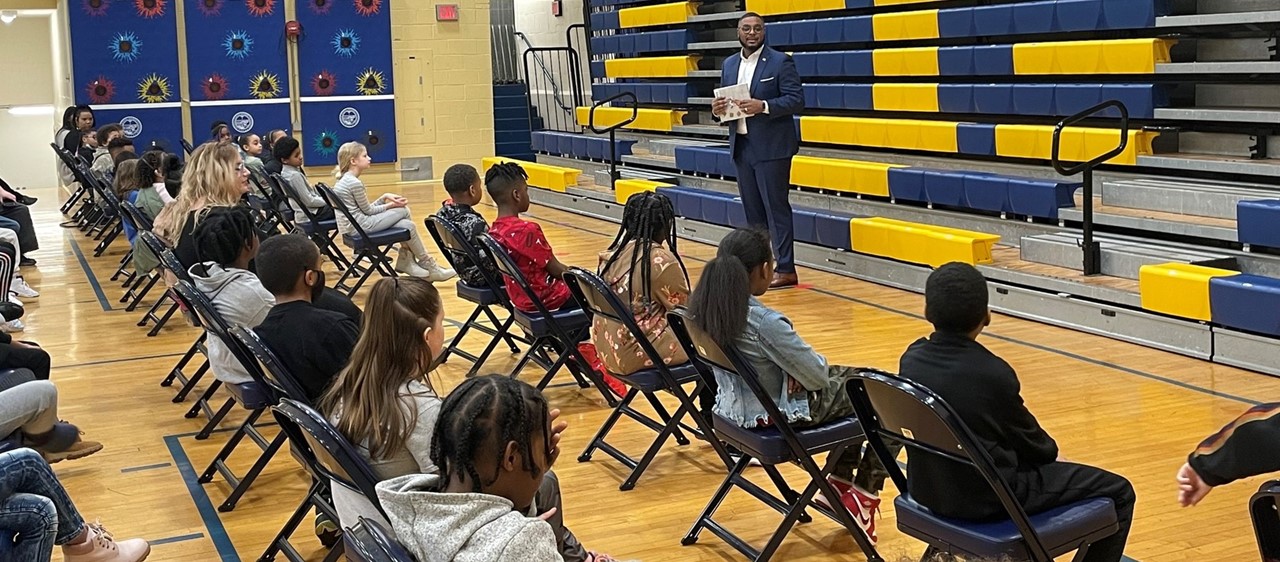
(215, 176)
(388, 211)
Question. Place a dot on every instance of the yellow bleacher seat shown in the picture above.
(905, 97)
(921, 24)
(1078, 143)
(848, 176)
(555, 178)
(1120, 56)
(646, 119)
(651, 67)
(658, 14)
(898, 2)
(624, 189)
(920, 243)
(774, 7)
(902, 134)
(1178, 289)
(916, 61)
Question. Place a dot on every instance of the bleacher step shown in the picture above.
(667, 147)
(1219, 67)
(1167, 223)
(1231, 18)
(713, 45)
(1230, 114)
(722, 16)
(704, 74)
(706, 130)
(1201, 198)
(1212, 163)
(1121, 257)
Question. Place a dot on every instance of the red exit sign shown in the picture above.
(446, 12)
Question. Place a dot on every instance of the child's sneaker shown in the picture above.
(20, 286)
(436, 272)
(865, 507)
(406, 265)
(99, 546)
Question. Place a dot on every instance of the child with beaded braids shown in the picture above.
(494, 444)
(225, 242)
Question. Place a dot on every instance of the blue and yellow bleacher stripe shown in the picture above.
(651, 67)
(905, 25)
(646, 119)
(1016, 141)
(1006, 99)
(1179, 289)
(623, 189)
(920, 243)
(658, 14)
(1112, 56)
(836, 174)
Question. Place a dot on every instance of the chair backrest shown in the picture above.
(367, 541)
(453, 242)
(186, 146)
(168, 259)
(284, 194)
(218, 327)
(141, 222)
(276, 374)
(511, 272)
(336, 202)
(598, 299)
(893, 407)
(337, 459)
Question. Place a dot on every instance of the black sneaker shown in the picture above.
(26, 262)
(27, 200)
(327, 531)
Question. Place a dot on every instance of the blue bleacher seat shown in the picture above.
(856, 29)
(956, 22)
(993, 20)
(944, 187)
(828, 96)
(1033, 99)
(1246, 302)
(724, 164)
(977, 138)
(955, 98)
(830, 65)
(779, 34)
(1122, 14)
(578, 145)
(715, 207)
(993, 98)
(992, 60)
(686, 158)
(986, 192)
(707, 161)
(1083, 15)
(907, 184)
(802, 224)
(832, 229)
(804, 32)
(1040, 198)
(736, 214)
(1034, 17)
(536, 141)
(806, 64)
(829, 31)
(1256, 222)
(858, 96)
(957, 61)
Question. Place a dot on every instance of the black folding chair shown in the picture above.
(83, 193)
(1263, 508)
(280, 201)
(76, 195)
(142, 284)
(322, 232)
(255, 396)
(186, 146)
(895, 408)
(262, 200)
(599, 301)
(114, 225)
(559, 331)
(367, 541)
(129, 214)
(168, 262)
(371, 247)
(453, 244)
(285, 385)
(779, 443)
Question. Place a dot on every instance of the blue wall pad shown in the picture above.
(241, 118)
(333, 122)
(1246, 302)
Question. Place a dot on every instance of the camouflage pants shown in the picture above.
(832, 403)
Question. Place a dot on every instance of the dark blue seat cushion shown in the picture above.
(650, 380)
(1256, 220)
(251, 395)
(310, 228)
(479, 295)
(1246, 302)
(391, 235)
(767, 444)
(537, 325)
(1060, 528)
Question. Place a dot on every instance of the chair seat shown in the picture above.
(251, 395)
(536, 325)
(480, 295)
(650, 380)
(768, 445)
(1061, 528)
(391, 235)
(312, 227)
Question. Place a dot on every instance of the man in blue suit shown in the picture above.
(763, 143)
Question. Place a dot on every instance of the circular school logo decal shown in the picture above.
(132, 126)
(242, 122)
(349, 117)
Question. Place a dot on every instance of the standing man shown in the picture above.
(763, 143)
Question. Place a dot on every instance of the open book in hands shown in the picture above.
(733, 111)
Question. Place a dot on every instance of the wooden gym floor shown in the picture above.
(1130, 409)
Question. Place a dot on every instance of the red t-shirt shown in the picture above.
(529, 248)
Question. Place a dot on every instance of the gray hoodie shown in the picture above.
(442, 527)
(239, 297)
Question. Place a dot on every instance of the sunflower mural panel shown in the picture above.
(237, 65)
(124, 59)
(344, 61)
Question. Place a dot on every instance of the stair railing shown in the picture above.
(1091, 249)
(612, 129)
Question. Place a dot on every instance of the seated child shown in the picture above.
(508, 187)
(120, 149)
(88, 146)
(313, 344)
(984, 391)
(226, 241)
(463, 184)
(250, 147)
(388, 211)
(31, 407)
(500, 429)
(102, 162)
(289, 154)
(809, 391)
(385, 404)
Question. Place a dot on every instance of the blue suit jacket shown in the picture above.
(776, 82)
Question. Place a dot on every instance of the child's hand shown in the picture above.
(557, 428)
(548, 515)
(793, 386)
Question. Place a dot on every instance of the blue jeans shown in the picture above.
(34, 506)
(6, 222)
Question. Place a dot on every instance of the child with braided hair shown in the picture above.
(494, 444)
(508, 185)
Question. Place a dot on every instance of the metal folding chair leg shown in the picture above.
(240, 484)
(216, 418)
(314, 499)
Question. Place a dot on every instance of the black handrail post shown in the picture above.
(613, 146)
(1092, 250)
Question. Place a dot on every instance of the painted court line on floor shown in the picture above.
(145, 467)
(212, 523)
(179, 538)
(88, 273)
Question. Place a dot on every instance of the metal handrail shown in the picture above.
(556, 91)
(1091, 249)
(613, 145)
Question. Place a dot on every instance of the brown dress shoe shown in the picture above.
(784, 280)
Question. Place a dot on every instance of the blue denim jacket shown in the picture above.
(774, 348)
